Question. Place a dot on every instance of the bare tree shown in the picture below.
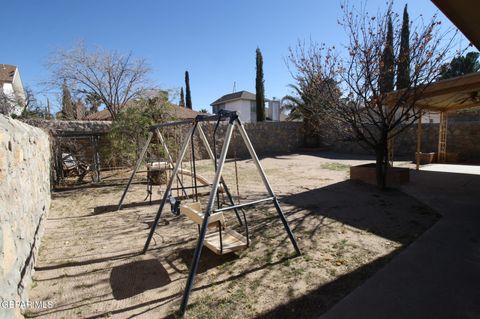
(34, 108)
(366, 113)
(311, 94)
(7, 103)
(13, 103)
(113, 77)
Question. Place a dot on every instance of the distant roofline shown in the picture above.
(237, 96)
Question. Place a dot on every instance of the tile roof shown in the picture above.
(7, 72)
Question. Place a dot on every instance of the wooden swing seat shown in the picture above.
(194, 212)
(231, 240)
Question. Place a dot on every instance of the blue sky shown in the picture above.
(215, 40)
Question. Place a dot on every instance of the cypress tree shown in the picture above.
(387, 66)
(188, 97)
(68, 110)
(259, 87)
(403, 72)
(182, 98)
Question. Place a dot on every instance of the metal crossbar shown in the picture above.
(243, 205)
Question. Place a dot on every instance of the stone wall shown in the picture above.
(24, 203)
(71, 126)
(462, 140)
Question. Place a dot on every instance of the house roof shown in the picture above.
(240, 95)
(7, 72)
(464, 14)
(178, 112)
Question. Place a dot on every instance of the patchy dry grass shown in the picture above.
(334, 166)
(90, 264)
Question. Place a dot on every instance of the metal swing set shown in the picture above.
(223, 240)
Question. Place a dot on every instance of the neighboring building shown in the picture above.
(12, 88)
(273, 110)
(244, 103)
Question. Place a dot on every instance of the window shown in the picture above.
(253, 107)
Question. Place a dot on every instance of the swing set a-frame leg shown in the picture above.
(169, 158)
(137, 165)
(168, 189)
(203, 230)
(204, 139)
(280, 213)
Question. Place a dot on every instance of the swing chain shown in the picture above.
(236, 167)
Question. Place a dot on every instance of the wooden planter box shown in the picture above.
(366, 173)
(426, 158)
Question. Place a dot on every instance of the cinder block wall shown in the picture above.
(24, 203)
(462, 139)
(266, 137)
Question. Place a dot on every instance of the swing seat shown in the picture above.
(231, 240)
(194, 212)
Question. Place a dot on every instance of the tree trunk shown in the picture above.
(381, 154)
(379, 167)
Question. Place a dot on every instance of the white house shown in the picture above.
(244, 102)
(12, 88)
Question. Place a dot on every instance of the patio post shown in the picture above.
(419, 140)
(442, 138)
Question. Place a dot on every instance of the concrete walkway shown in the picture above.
(437, 276)
(452, 168)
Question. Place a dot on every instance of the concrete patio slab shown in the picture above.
(437, 276)
(452, 168)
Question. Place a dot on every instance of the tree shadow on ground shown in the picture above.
(208, 259)
(122, 182)
(320, 300)
(136, 277)
(113, 208)
(390, 214)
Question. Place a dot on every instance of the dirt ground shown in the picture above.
(90, 265)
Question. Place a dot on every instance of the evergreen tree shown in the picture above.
(188, 97)
(387, 65)
(93, 100)
(259, 87)
(182, 98)
(403, 71)
(68, 110)
(460, 65)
